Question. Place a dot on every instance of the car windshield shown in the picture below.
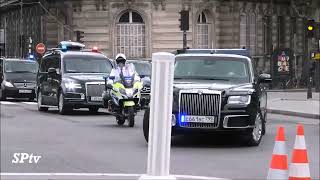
(142, 68)
(21, 67)
(86, 64)
(224, 69)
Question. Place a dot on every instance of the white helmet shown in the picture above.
(121, 58)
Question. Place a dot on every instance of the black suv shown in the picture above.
(17, 78)
(217, 90)
(71, 77)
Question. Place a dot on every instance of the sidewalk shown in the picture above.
(294, 104)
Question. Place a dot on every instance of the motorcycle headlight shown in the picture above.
(7, 84)
(239, 99)
(72, 85)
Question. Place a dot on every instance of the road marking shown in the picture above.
(30, 103)
(16, 103)
(7, 102)
(79, 175)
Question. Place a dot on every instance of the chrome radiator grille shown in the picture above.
(25, 85)
(201, 105)
(95, 89)
(196, 104)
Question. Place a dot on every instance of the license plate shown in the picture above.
(96, 98)
(200, 119)
(25, 91)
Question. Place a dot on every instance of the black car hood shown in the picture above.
(212, 85)
(20, 77)
(86, 77)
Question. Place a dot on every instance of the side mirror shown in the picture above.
(109, 86)
(52, 71)
(265, 78)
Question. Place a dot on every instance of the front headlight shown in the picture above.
(239, 99)
(7, 84)
(72, 85)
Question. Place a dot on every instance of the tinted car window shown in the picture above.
(235, 70)
(143, 68)
(1, 65)
(50, 62)
(86, 64)
(21, 67)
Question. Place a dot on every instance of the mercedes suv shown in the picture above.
(17, 78)
(217, 90)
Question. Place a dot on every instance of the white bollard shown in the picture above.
(160, 117)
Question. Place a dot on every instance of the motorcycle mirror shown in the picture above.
(105, 77)
(109, 86)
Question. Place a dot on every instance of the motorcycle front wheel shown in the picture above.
(131, 116)
(120, 121)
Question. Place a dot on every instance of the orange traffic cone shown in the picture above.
(279, 163)
(299, 167)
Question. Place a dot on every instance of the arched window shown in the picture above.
(131, 35)
(202, 31)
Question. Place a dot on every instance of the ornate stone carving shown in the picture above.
(157, 3)
(206, 4)
(186, 4)
(129, 4)
(101, 4)
(77, 6)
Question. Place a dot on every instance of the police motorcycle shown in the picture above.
(122, 99)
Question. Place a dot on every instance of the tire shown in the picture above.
(264, 124)
(61, 106)
(146, 124)
(254, 135)
(39, 103)
(120, 121)
(131, 116)
(93, 110)
(2, 96)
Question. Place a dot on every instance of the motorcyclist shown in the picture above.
(122, 67)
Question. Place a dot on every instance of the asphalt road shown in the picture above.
(92, 143)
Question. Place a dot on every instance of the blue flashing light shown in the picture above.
(64, 47)
(182, 118)
(31, 56)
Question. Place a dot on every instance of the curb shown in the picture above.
(291, 113)
(290, 90)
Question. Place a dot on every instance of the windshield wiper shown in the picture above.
(23, 72)
(218, 79)
(203, 78)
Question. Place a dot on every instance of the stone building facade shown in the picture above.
(140, 27)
